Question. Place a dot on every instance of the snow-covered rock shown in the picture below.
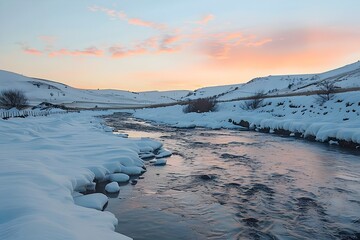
(119, 177)
(112, 187)
(163, 153)
(123, 135)
(132, 170)
(113, 167)
(146, 149)
(90, 186)
(147, 155)
(95, 201)
(100, 172)
(160, 162)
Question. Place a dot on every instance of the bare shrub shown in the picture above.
(326, 91)
(13, 99)
(255, 101)
(201, 105)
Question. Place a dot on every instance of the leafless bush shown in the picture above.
(255, 101)
(13, 99)
(326, 91)
(201, 105)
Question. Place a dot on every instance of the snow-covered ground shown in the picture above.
(45, 162)
(337, 118)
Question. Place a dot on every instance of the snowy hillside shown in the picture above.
(344, 77)
(39, 90)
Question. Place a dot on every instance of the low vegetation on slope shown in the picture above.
(13, 99)
(201, 105)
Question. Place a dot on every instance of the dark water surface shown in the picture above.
(230, 184)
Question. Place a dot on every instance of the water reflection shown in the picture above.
(259, 186)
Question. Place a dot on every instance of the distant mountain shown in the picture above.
(40, 90)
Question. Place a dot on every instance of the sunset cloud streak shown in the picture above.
(155, 45)
(32, 51)
(90, 51)
(221, 45)
(130, 20)
(206, 19)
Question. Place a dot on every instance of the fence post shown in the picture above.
(27, 113)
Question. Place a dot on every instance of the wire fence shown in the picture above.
(26, 113)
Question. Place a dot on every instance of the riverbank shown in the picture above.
(45, 164)
(334, 122)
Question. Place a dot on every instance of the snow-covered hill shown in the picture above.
(345, 77)
(40, 90)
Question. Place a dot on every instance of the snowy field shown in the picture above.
(45, 162)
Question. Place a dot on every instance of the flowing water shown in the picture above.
(231, 184)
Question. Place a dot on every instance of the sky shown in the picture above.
(142, 45)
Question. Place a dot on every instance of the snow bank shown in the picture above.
(45, 161)
(336, 119)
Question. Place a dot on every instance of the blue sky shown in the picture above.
(162, 44)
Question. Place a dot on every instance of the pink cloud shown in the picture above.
(90, 51)
(32, 51)
(170, 39)
(232, 36)
(289, 49)
(206, 19)
(120, 52)
(259, 43)
(139, 22)
(129, 20)
(220, 45)
(144, 47)
(168, 44)
(155, 45)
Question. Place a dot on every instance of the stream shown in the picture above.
(231, 184)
